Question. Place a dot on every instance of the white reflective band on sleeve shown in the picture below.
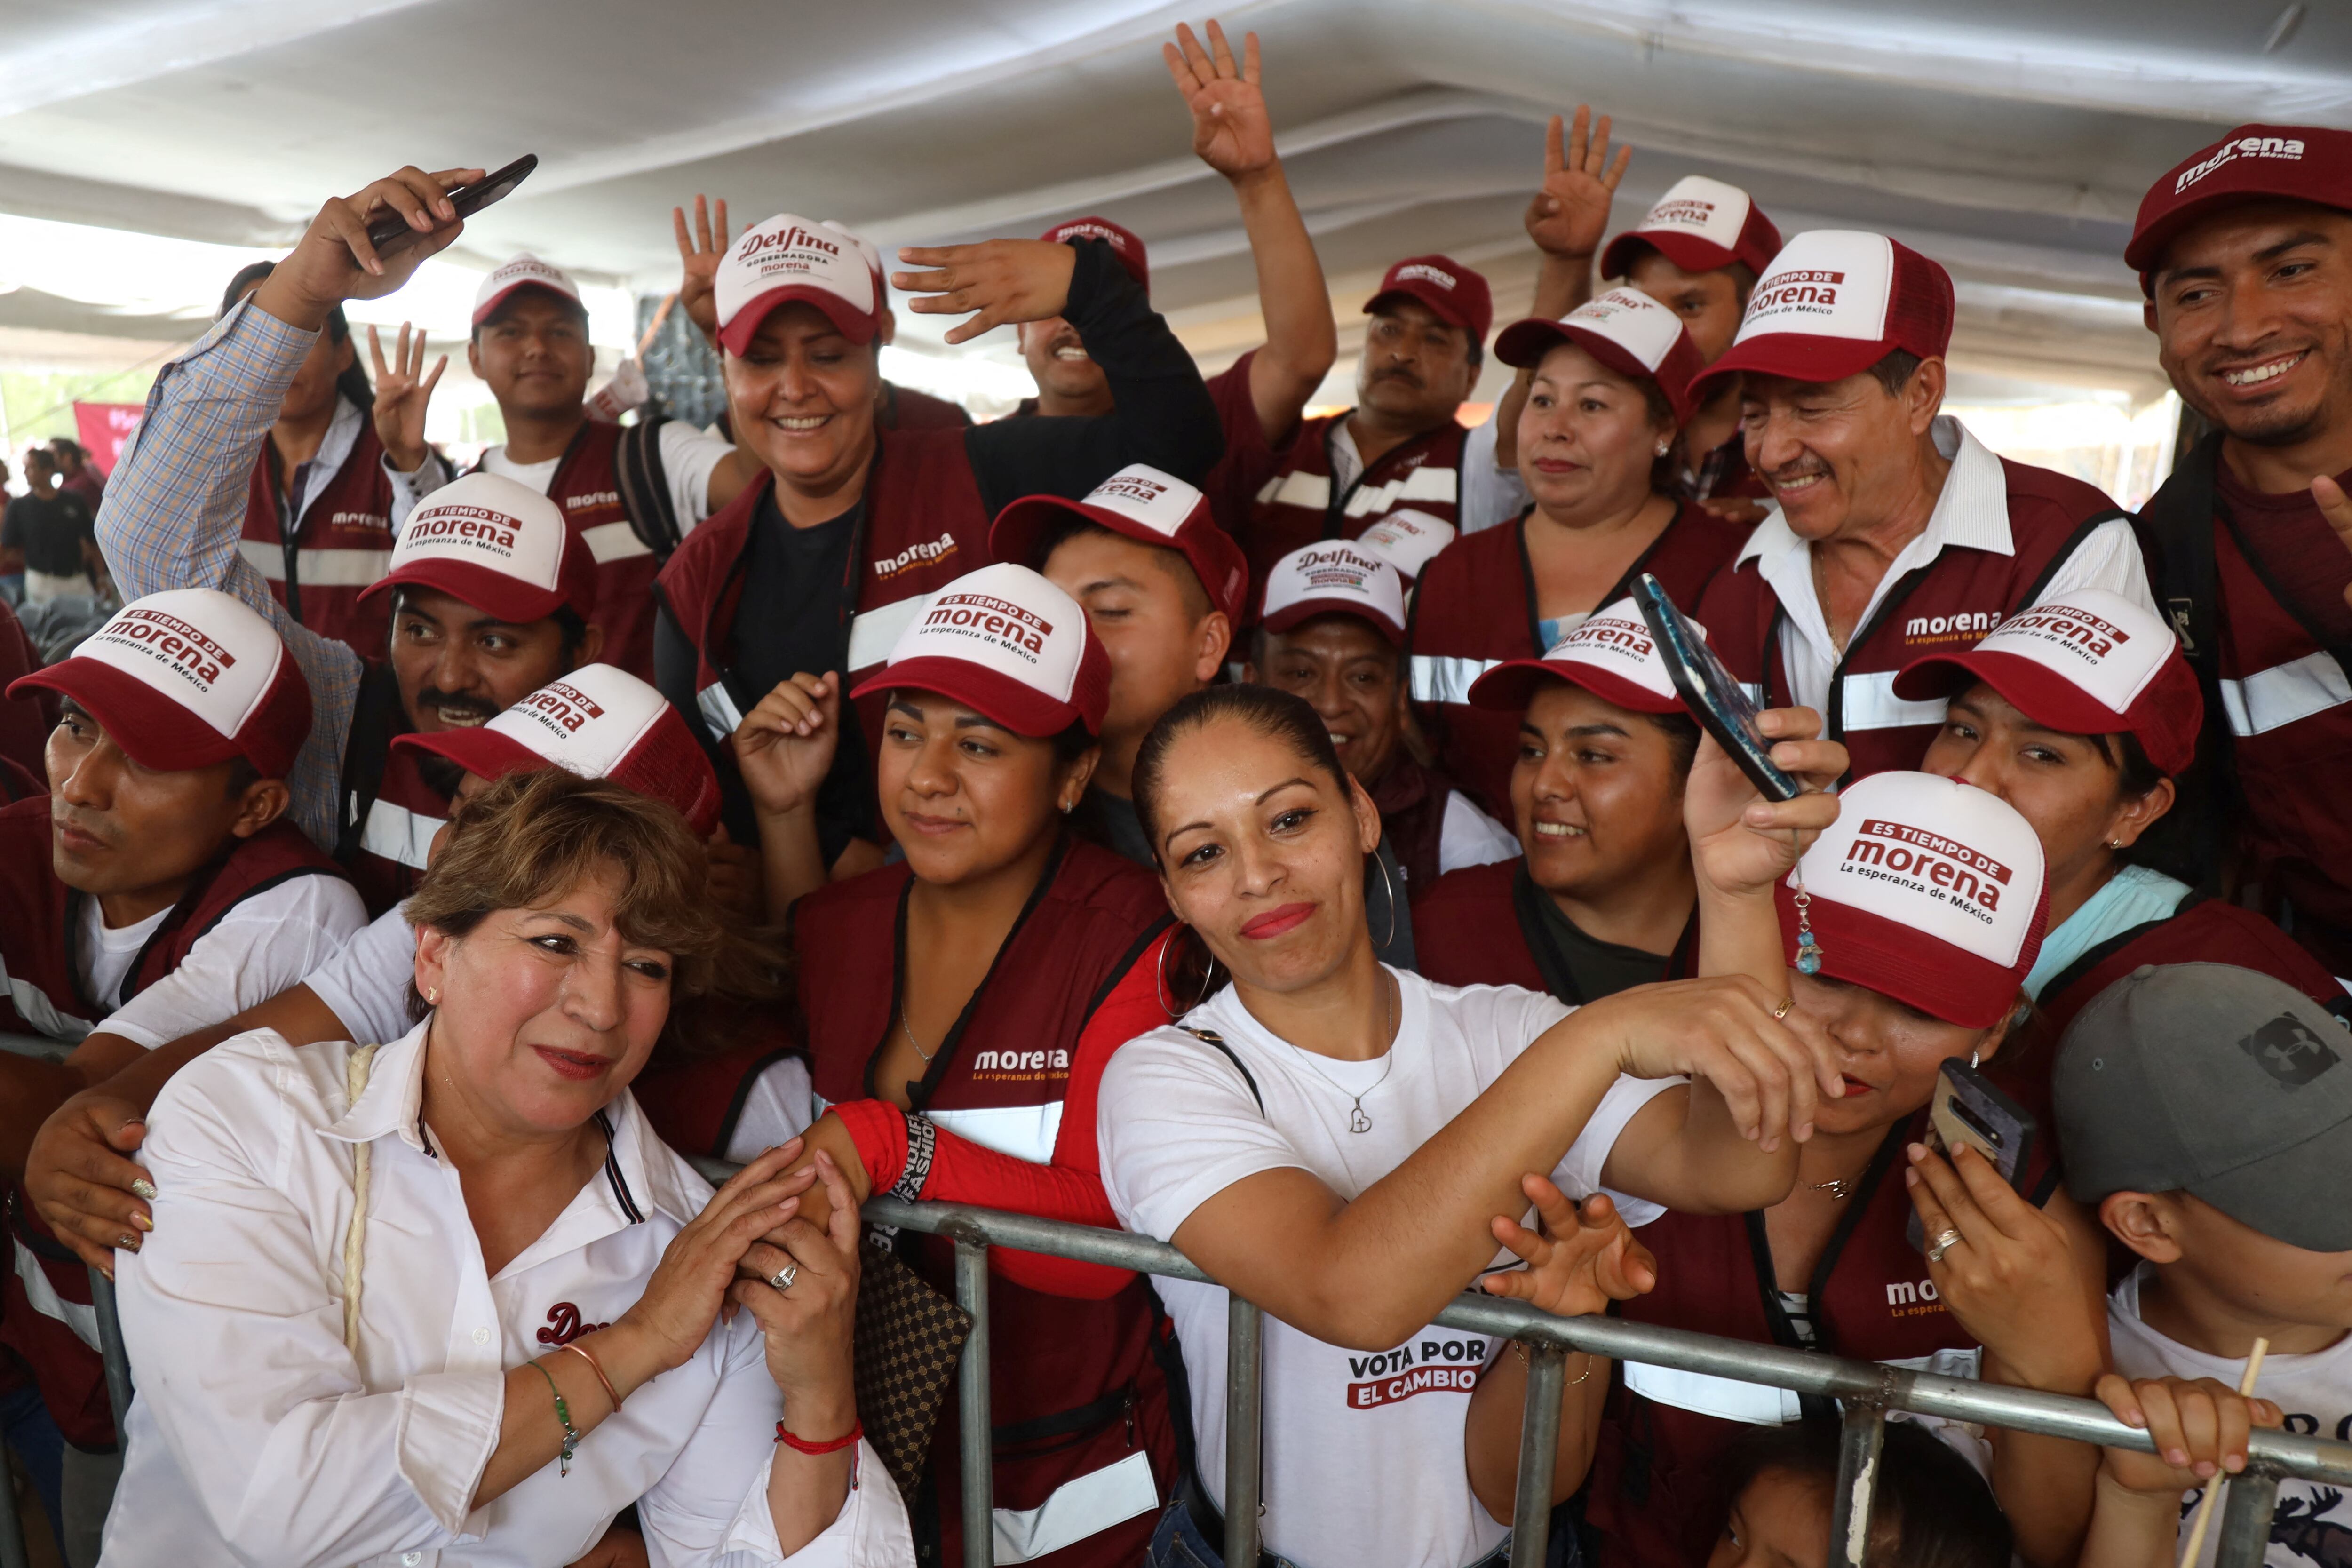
(719, 710)
(873, 633)
(1024, 1132)
(33, 1006)
(1437, 678)
(1078, 1508)
(81, 1320)
(318, 568)
(2275, 698)
(614, 542)
(398, 834)
(1422, 484)
(1312, 491)
(1726, 1399)
(1871, 704)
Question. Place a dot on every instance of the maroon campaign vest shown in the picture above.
(39, 925)
(587, 487)
(386, 858)
(1654, 1493)
(2207, 931)
(341, 544)
(1301, 503)
(1945, 606)
(1412, 800)
(1479, 926)
(1474, 606)
(1075, 1384)
(25, 721)
(925, 526)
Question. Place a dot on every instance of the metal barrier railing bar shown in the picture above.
(1867, 1391)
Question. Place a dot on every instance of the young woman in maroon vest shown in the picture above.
(2081, 713)
(1611, 388)
(1895, 533)
(1922, 911)
(1604, 897)
(959, 1008)
(1330, 1136)
(827, 557)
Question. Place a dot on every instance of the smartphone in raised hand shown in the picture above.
(1719, 703)
(391, 232)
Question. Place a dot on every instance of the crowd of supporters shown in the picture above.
(1281, 836)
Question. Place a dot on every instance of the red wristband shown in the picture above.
(803, 1445)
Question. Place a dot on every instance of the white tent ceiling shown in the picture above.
(2010, 138)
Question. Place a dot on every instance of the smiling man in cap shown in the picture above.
(1895, 533)
(2245, 252)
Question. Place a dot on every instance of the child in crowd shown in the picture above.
(2205, 1110)
(1931, 1510)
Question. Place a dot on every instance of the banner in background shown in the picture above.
(105, 429)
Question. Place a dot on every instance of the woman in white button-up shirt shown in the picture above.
(364, 1280)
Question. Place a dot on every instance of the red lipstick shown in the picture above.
(1274, 922)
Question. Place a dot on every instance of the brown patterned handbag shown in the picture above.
(908, 1342)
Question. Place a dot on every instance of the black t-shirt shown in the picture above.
(1600, 968)
(50, 531)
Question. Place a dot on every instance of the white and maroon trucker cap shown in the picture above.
(870, 251)
(1407, 539)
(1928, 890)
(2089, 662)
(1611, 655)
(787, 258)
(1625, 330)
(1835, 302)
(1334, 576)
(1699, 225)
(600, 723)
(523, 270)
(1145, 504)
(1124, 243)
(1008, 644)
(498, 545)
(185, 679)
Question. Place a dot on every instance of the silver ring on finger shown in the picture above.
(783, 1277)
(1946, 1240)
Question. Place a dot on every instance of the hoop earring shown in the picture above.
(1159, 976)
(1390, 883)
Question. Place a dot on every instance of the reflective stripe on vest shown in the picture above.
(1870, 703)
(401, 836)
(45, 1299)
(1313, 492)
(1437, 678)
(1078, 1508)
(873, 633)
(318, 568)
(1024, 1132)
(2275, 698)
(1753, 1404)
(33, 1006)
(612, 541)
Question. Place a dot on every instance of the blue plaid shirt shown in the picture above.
(175, 509)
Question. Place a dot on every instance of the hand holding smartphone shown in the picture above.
(1969, 1109)
(391, 232)
(1719, 703)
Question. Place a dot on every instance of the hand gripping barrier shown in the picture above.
(1866, 1391)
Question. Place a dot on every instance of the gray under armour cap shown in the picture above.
(2217, 1081)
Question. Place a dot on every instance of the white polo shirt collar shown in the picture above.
(1972, 513)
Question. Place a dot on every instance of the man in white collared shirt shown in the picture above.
(1894, 532)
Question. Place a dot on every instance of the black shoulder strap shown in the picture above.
(643, 484)
(1212, 1037)
(2179, 524)
(375, 720)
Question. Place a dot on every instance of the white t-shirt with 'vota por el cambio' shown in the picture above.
(1365, 1459)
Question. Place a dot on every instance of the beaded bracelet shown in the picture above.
(563, 1414)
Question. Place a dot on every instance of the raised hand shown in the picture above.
(403, 391)
(1583, 1259)
(1771, 1066)
(1231, 130)
(699, 255)
(334, 260)
(1568, 216)
(1000, 281)
(783, 747)
(1742, 844)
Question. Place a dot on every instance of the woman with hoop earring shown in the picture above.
(959, 1008)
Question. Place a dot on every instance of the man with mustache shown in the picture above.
(2244, 252)
(1894, 531)
(494, 595)
(155, 886)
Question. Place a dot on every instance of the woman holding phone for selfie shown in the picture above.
(1923, 907)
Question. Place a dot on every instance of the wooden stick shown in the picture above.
(2214, 1488)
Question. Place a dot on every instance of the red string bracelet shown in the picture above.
(803, 1445)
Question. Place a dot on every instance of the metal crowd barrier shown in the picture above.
(1867, 1391)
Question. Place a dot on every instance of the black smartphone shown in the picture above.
(1721, 704)
(389, 232)
(1969, 1108)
